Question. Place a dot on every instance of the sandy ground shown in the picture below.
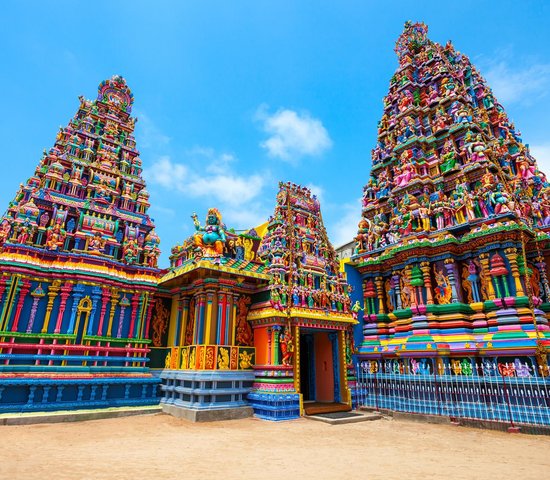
(160, 446)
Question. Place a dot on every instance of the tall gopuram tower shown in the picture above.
(452, 243)
(303, 322)
(78, 257)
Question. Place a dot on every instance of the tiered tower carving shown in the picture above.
(451, 240)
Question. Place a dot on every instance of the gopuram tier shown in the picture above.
(78, 256)
(452, 243)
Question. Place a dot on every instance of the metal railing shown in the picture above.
(507, 393)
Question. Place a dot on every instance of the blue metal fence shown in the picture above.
(489, 392)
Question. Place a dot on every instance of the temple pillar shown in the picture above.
(105, 297)
(78, 293)
(425, 267)
(143, 300)
(221, 328)
(25, 287)
(36, 294)
(269, 343)
(209, 317)
(96, 296)
(65, 293)
(511, 254)
(450, 267)
(276, 334)
(7, 305)
(234, 318)
(173, 325)
(397, 291)
(134, 306)
(114, 302)
(336, 361)
(484, 260)
(184, 303)
(379, 281)
(121, 319)
(541, 266)
(53, 291)
(145, 333)
(297, 359)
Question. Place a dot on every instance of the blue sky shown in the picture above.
(233, 96)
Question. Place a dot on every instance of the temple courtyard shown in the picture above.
(161, 446)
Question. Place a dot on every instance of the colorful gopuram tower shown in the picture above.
(452, 243)
(78, 260)
(303, 322)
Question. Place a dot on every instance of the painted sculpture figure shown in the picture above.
(210, 238)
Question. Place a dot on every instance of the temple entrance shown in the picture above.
(320, 382)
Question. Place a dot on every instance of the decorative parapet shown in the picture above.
(210, 357)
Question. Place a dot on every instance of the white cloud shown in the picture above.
(513, 84)
(246, 218)
(344, 230)
(542, 156)
(212, 182)
(228, 188)
(165, 173)
(292, 135)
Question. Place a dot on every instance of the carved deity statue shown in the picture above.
(210, 238)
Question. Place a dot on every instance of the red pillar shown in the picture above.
(65, 292)
(135, 304)
(22, 294)
(105, 297)
(149, 310)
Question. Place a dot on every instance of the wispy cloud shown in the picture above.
(239, 197)
(515, 82)
(148, 134)
(344, 229)
(292, 135)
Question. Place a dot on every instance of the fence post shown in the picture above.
(512, 428)
(437, 396)
(376, 389)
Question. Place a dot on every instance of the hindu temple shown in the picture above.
(78, 259)
(452, 246)
(448, 273)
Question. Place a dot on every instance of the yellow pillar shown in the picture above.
(512, 255)
(208, 329)
(484, 260)
(344, 390)
(53, 291)
(114, 302)
(425, 267)
(380, 294)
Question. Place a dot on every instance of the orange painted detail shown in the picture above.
(261, 344)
